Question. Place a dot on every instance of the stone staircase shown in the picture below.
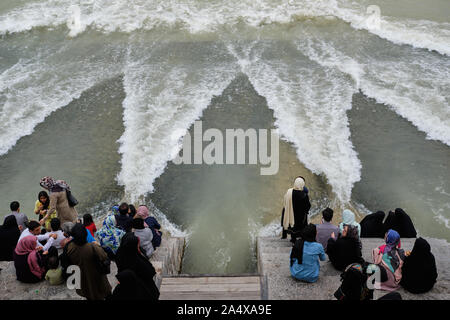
(273, 262)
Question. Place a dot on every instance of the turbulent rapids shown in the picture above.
(307, 59)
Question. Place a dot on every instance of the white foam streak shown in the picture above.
(413, 87)
(166, 92)
(32, 89)
(209, 16)
(310, 104)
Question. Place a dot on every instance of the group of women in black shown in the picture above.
(415, 271)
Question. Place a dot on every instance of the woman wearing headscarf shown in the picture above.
(419, 272)
(9, 235)
(130, 287)
(58, 200)
(29, 261)
(296, 207)
(354, 284)
(152, 223)
(129, 257)
(109, 236)
(41, 208)
(389, 258)
(346, 249)
(372, 225)
(94, 285)
(348, 218)
(400, 222)
(305, 255)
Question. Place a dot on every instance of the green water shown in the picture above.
(363, 114)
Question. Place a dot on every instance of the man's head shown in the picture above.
(327, 214)
(34, 227)
(14, 206)
(124, 208)
(55, 224)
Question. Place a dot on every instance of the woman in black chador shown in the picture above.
(419, 272)
(372, 225)
(294, 216)
(400, 222)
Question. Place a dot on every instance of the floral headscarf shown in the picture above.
(109, 236)
(49, 183)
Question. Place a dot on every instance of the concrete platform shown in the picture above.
(273, 262)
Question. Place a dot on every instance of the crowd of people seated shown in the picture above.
(43, 249)
(415, 271)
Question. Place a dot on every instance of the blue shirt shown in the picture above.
(89, 238)
(309, 269)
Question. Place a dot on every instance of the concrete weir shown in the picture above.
(273, 263)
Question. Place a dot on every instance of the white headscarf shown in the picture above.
(288, 220)
(348, 218)
(299, 184)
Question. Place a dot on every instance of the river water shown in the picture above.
(101, 95)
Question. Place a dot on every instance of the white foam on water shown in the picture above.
(415, 87)
(310, 104)
(209, 16)
(166, 91)
(441, 219)
(272, 229)
(33, 88)
(174, 229)
(424, 34)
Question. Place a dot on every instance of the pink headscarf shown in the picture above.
(142, 212)
(28, 245)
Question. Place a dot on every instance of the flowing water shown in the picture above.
(101, 94)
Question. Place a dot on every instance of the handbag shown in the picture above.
(71, 199)
(103, 266)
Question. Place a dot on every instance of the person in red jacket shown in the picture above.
(89, 224)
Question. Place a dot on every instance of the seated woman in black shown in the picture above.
(346, 249)
(419, 272)
(400, 222)
(130, 287)
(129, 257)
(9, 235)
(372, 225)
(29, 261)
